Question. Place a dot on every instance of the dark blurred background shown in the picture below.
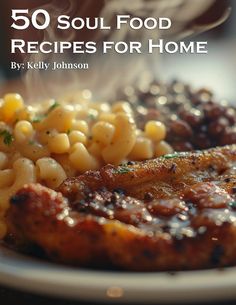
(216, 70)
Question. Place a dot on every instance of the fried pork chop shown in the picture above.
(176, 212)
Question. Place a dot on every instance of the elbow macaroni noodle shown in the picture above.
(52, 141)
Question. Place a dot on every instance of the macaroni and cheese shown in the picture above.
(54, 140)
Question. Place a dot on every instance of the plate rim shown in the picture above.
(38, 276)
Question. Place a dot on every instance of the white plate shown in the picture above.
(37, 276)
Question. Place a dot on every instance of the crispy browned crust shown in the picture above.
(171, 213)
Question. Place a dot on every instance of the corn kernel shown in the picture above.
(23, 131)
(155, 130)
(12, 103)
